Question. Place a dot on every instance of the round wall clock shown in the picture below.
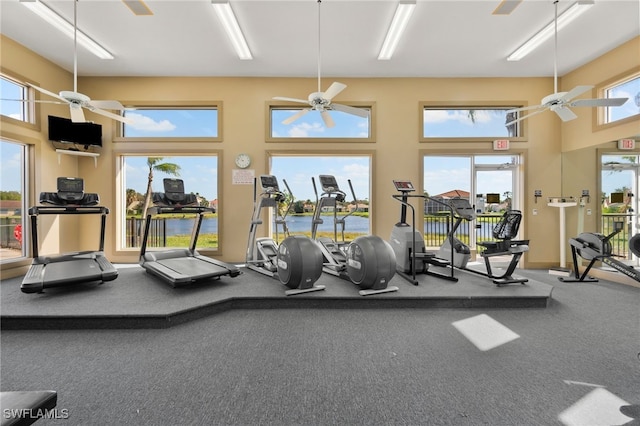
(243, 161)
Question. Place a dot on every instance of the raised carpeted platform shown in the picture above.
(139, 300)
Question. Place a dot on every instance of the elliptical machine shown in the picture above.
(593, 247)
(408, 243)
(297, 261)
(368, 261)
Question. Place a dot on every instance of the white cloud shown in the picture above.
(304, 129)
(141, 122)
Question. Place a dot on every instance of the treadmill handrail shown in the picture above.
(68, 209)
(179, 209)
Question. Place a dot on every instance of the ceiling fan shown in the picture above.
(560, 102)
(78, 101)
(321, 101)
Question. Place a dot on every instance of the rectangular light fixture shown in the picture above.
(65, 27)
(231, 26)
(547, 32)
(398, 24)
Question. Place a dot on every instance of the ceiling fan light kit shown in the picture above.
(559, 102)
(321, 101)
(66, 28)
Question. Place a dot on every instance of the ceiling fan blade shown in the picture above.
(605, 102)
(106, 105)
(565, 113)
(524, 109)
(295, 116)
(48, 93)
(77, 116)
(38, 101)
(326, 117)
(523, 117)
(333, 90)
(281, 98)
(111, 115)
(360, 112)
(576, 91)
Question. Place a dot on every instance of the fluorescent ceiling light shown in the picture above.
(231, 26)
(67, 28)
(398, 24)
(547, 32)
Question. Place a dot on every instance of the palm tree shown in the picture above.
(155, 164)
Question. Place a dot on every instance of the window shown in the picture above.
(200, 176)
(16, 92)
(311, 126)
(13, 202)
(629, 88)
(298, 170)
(186, 123)
(468, 122)
(489, 182)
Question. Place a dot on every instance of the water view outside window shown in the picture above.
(468, 122)
(310, 125)
(200, 176)
(12, 201)
(9, 89)
(171, 123)
(298, 171)
(628, 89)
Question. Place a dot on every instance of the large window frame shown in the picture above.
(30, 109)
(120, 192)
(271, 154)
(521, 126)
(275, 105)
(26, 189)
(131, 106)
(600, 114)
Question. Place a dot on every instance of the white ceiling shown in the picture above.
(444, 38)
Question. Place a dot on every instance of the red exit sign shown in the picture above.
(626, 144)
(501, 145)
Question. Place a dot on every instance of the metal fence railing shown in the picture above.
(620, 242)
(7, 232)
(157, 232)
(436, 228)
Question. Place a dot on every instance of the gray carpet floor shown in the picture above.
(347, 367)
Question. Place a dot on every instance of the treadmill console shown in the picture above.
(403, 185)
(70, 189)
(269, 183)
(174, 190)
(70, 193)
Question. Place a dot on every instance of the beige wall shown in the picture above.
(396, 150)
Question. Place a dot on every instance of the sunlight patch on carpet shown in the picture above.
(485, 332)
(598, 407)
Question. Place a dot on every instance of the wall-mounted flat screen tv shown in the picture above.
(64, 130)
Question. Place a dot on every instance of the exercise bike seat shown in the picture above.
(504, 231)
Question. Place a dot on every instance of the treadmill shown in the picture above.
(68, 268)
(180, 267)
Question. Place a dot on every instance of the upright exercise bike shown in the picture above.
(297, 261)
(368, 261)
(408, 243)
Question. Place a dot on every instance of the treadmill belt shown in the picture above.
(70, 271)
(193, 267)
